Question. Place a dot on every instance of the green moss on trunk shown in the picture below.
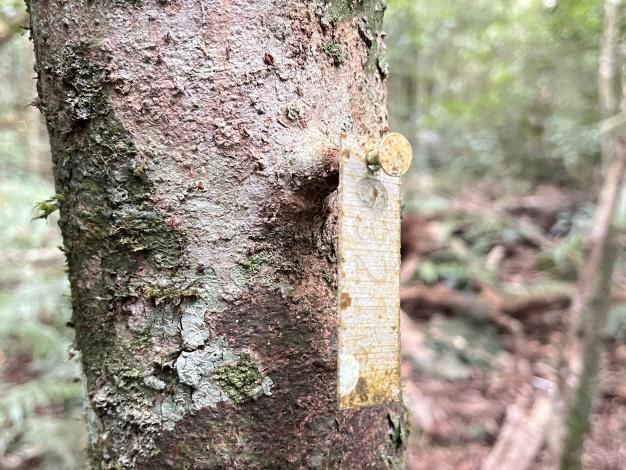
(333, 50)
(109, 223)
(242, 381)
(368, 16)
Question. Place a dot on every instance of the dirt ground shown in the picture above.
(486, 287)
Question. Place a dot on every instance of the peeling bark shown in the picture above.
(190, 143)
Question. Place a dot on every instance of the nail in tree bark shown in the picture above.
(199, 223)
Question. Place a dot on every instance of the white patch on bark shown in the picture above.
(266, 387)
(94, 426)
(154, 382)
(193, 329)
(195, 369)
(174, 407)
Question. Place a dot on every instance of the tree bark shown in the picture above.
(198, 217)
(607, 84)
(590, 308)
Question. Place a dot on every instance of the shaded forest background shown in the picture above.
(500, 100)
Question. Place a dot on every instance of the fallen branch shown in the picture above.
(521, 437)
(443, 298)
(486, 302)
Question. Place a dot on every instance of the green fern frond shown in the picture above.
(47, 207)
(61, 440)
(545, 287)
(43, 341)
(19, 402)
(431, 272)
(565, 258)
(458, 274)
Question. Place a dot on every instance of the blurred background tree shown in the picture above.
(502, 88)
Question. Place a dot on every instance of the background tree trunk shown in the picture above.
(198, 220)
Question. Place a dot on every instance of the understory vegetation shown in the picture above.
(501, 100)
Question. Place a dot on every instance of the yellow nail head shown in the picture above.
(395, 154)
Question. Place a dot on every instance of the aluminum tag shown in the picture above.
(368, 280)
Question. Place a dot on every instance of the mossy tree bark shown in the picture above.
(189, 141)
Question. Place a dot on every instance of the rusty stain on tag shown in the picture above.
(368, 299)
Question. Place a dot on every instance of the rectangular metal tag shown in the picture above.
(368, 281)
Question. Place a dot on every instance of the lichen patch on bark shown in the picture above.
(196, 369)
(193, 329)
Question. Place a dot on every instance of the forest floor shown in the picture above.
(486, 286)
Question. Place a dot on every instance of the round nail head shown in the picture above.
(395, 154)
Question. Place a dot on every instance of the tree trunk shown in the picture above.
(189, 141)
